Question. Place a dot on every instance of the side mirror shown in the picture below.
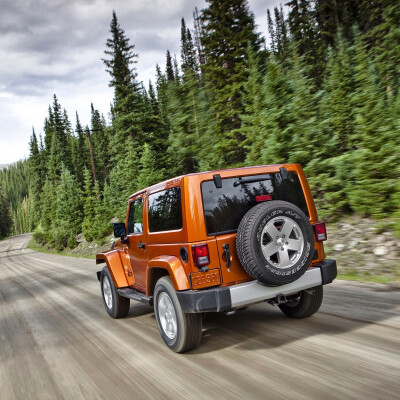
(120, 231)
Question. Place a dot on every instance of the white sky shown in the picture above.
(56, 46)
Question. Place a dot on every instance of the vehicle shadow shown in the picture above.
(138, 309)
(263, 326)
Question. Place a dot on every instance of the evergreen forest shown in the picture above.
(322, 90)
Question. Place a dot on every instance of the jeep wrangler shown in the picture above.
(217, 242)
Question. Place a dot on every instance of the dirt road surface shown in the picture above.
(57, 342)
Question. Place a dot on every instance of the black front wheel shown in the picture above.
(305, 304)
(116, 305)
(180, 331)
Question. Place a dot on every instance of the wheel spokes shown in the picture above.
(269, 250)
(284, 259)
(167, 315)
(294, 244)
(287, 228)
(272, 231)
(107, 294)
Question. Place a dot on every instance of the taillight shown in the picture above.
(201, 256)
(320, 232)
(264, 197)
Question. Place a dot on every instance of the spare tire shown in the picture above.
(275, 243)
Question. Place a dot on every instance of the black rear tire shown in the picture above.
(188, 332)
(275, 243)
(118, 306)
(308, 303)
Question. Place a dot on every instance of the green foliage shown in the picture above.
(49, 206)
(69, 209)
(148, 174)
(80, 152)
(6, 222)
(228, 29)
(100, 135)
(93, 225)
(325, 94)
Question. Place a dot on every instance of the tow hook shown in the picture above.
(279, 299)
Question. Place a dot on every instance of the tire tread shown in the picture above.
(244, 246)
(309, 304)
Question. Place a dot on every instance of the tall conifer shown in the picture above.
(228, 28)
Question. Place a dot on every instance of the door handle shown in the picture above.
(141, 245)
(227, 254)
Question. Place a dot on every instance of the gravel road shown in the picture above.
(57, 342)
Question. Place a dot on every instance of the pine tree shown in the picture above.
(161, 87)
(37, 176)
(62, 132)
(376, 141)
(253, 107)
(386, 35)
(188, 52)
(169, 69)
(122, 57)
(6, 222)
(334, 15)
(123, 181)
(328, 170)
(59, 151)
(49, 204)
(100, 144)
(228, 27)
(48, 135)
(276, 116)
(148, 175)
(93, 225)
(282, 40)
(198, 34)
(304, 31)
(69, 211)
(156, 129)
(80, 153)
(127, 108)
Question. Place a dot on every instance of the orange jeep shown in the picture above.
(217, 242)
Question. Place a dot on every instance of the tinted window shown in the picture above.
(224, 208)
(165, 210)
(135, 218)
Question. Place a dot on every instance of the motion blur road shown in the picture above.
(57, 342)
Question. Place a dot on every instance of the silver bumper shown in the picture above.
(252, 292)
(226, 298)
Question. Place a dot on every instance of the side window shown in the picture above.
(165, 210)
(135, 218)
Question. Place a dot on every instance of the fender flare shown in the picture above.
(115, 266)
(175, 269)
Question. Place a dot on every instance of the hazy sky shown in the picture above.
(56, 46)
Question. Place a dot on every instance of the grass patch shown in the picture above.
(367, 278)
(34, 246)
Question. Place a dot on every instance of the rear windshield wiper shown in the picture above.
(251, 179)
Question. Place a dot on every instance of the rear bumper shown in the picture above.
(241, 295)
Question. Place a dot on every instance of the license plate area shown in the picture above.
(201, 280)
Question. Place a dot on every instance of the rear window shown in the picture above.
(165, 210)
(224, 208)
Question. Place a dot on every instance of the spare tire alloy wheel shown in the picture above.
(282, 242)
(275, 243)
